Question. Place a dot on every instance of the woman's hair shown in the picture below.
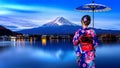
(86, 19)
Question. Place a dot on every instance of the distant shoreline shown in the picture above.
(104, 38)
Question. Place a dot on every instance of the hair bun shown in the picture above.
(85, 19)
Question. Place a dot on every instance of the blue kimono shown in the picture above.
(85, 52)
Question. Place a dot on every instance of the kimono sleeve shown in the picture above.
(95, 39)
(76, 38)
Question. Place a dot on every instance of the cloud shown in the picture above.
(29, 16)
(28, 2)
(22, 11)
(24, 17)
(11, 27)
(16, 23)
(107, 24)
(19, 9)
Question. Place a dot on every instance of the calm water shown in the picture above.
(52, 54)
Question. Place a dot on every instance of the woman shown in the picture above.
(85, 42)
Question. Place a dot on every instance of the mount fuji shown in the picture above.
(60, 21)
(61, 26)
(58, 26)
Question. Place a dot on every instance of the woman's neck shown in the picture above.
(84, 26)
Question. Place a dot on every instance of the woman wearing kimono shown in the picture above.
(85, 42)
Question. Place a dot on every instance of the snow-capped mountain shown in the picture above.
(58, 26)
(61, 26)
(60, 21)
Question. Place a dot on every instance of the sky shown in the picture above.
(25, 14)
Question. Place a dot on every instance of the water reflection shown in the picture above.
(31, 40)
(44, 41)
(60, 54)
(20, 42)
(13, 41)
(52, 53)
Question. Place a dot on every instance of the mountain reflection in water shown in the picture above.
(53, 53)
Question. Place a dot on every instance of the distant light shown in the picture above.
(44, 41)
(31, 40)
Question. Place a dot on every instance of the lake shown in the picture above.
(52, 54)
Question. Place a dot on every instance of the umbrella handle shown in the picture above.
(93, 1)
(93, 18)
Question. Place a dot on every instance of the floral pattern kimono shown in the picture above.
(85, 54)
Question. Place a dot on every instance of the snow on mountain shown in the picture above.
(61, 26)
(60, 21)
(58, 26)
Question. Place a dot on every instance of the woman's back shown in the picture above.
(85, 42)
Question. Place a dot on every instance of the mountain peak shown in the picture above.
(59, 21)
(60, 18)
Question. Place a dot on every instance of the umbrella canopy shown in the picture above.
(93, 7)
